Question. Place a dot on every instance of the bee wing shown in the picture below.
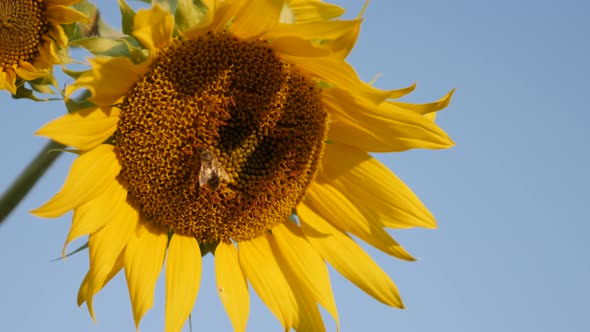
(220, 170)
(205, 173)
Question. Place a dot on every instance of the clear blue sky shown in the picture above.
(511, 199)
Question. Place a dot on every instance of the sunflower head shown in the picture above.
(30, 38)
(238, 127)
(240, 134)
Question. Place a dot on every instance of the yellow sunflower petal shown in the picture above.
(153, 27)
(232, 285)
(90, 175)
(61, 2)
(310, 318)
(7, 80)
(398, 93)
(358, 175)
(265, 13)
(28, 72)
(84, 129)
(183, 277)
(348, 258)
(426, 108)
(312, 10)
(58, 34)
(315, 30)
(104, 248)
(96, 213)
(47, 54)
(359, 123)
(341, 74)
(144, 257)
(109, 79)
(217, 18)
(60, 14)
(83, 291)
(297, 46)
(430, 116)
(333, 206)
(306, 265)
(258, 263)
(342, 46)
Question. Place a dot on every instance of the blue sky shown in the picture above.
(511, 252)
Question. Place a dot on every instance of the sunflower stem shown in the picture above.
(27, 179)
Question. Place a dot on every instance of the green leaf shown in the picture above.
(82, 247)
(103, 46)
(79, 103)
(207, 248)
(187, 14)
(169, 5)
(44, 84)
(25, 93)
(127, 16)
(136, 53)
(73, 73)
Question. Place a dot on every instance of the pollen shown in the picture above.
(220, 138)
(22, 26)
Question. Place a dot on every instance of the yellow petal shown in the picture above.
(305, 265)
(108, 79)
(342, 46)
(379, 129)
(296, 46)
(265, 13)
(83, 129)
(430, 116)
(8, 80)
(104, 248)
(47, 54)
(310, 318)
(231, 285)
(333, 206)
(403, 91)
(315, 30)
(313, 10)
(61, 2)
(217, 18)
(153, 27)
(28, 72)
(58, 34)
(373, 188)
(60, 14)
(144, 257)
(428, 107)
(183, 277)
(348, 258)
(83, 291)
(90, 175)
(94, 214)
(339, 73)
(267, 279)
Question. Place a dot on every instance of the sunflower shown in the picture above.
(247, 135)
(30, 36)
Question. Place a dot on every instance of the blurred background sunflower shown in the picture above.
(31, 37)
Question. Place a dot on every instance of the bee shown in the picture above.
(211, 171)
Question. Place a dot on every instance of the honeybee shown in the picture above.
(211, 170)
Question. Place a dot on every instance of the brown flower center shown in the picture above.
(22, 24)
(220, 138)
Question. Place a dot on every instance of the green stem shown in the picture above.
(27, 179)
